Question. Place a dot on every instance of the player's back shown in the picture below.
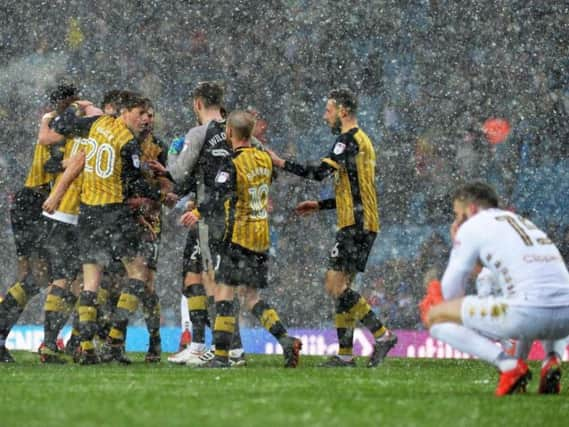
(37, 176)
(214, 152)
(68, 209)
(528, 265)
(248, 211)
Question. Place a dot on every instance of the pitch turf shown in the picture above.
(402, 392)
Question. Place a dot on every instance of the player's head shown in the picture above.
(470, 198)
(62, 96)
(206, 96)
(261, 125)
(149, 125)
(342, 103)
(111, 101)
(240, 126)
(133, 109)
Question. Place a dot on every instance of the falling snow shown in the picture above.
(428, 75)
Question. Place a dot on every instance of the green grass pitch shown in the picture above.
(402, 392)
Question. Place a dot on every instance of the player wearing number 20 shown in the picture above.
(534, 284)
(107, 228)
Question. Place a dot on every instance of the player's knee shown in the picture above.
(251, 299)
(440, 330)
(192, 279)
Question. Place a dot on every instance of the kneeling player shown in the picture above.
(534, 282)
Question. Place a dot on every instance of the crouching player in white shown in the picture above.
(535, 290)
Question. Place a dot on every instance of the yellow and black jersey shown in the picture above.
(243, 183)
(102, 174)
(352, 161)
(70, 201)
(153, 149)
(112, 171)
(37, 175)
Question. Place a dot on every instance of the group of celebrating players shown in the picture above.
(93, 198)
(94, 194)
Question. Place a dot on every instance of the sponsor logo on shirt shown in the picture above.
(222, 177)
(540, 258)
(136, 161)
(339, 148)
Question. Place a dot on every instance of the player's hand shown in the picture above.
(176, 145)
(152, 236)
(170, 200)
(307, 207)
(277, 161)
(434, 296)
(157, 167)
(83, 104)
(189, 219)
(139, 203)
(50, 204)
(455, 226)
(190, 205)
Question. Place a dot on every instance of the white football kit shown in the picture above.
(525, 269)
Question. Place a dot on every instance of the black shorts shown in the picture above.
(62, 245)
(201, 253)
(106, 233)
(241, 267)
(351, 250)
(29, 226)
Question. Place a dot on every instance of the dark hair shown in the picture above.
(63, 95)
(242, 123)
(111, 97)
(346, 98)
(210, 92)
(479, 193)
(130, 100)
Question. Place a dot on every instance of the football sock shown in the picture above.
(107, 301)
(87, 319)
(223, 328)
(270, 320)
(211, 309)
(198, 308)
(236, 340)
(352, 305)
(58, 305)
(557, 346)
(127, 305)
(468, 341)
(151, 309)
(15, 301)
(75, 338)
(345, 323)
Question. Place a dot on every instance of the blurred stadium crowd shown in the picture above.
(428, 73)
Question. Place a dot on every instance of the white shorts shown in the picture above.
(496, 318)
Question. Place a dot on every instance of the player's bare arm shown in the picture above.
(46, 135)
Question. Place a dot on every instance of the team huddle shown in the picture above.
(87, 226)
